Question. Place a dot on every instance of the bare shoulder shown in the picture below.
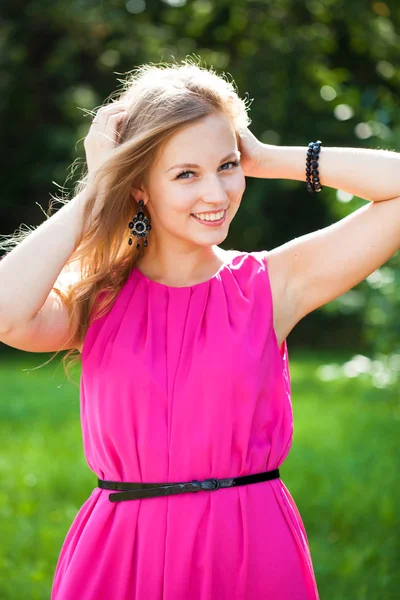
(227, 255)
(284, 309)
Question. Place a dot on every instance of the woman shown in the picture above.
(185, 388)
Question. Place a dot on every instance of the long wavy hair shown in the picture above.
(160, 100)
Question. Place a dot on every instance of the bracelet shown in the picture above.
(312, 167)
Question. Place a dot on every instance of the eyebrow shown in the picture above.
(193, 166)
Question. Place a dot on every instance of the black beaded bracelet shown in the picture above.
(312, 167)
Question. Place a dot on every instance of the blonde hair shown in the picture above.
(160, 100)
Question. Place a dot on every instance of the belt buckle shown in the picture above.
(208, 485)
(214, 482)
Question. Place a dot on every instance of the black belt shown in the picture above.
(135, 491)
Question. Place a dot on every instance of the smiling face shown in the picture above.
(175, 193)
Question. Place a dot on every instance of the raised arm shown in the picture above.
(29, 272)
(369, 174)
(32, 316)
(315, 268)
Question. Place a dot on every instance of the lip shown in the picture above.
(210, 223)
(212, 212)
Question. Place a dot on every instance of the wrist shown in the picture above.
(262, 165)
(282, 162)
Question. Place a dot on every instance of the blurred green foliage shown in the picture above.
(341, 472)
(327, 69)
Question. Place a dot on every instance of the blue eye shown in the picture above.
(234, 163)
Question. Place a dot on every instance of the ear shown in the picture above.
(139, 193)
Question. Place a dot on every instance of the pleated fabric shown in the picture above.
(180, 384)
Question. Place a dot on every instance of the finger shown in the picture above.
(105, 112)
(110, 131)
(114, 123)
(117, 118)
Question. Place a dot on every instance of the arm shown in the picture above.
(316, 268)
(312, 270)
(369, 174)
(29, 272)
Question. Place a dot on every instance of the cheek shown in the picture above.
(239, 186)
(184, 199)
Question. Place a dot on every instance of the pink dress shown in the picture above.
(180, 384)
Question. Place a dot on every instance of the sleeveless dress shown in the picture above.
(180, 384)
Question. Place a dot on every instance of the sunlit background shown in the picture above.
(319, 69)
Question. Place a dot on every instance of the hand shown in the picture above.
(254, 154)
(102, 139)
(103, 135)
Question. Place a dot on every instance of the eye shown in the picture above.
(234, 164)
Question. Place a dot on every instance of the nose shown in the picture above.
(216, 193)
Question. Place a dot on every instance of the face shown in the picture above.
(174, 193)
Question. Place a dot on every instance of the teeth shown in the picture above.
(210, 216)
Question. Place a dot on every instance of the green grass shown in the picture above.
(342, 472)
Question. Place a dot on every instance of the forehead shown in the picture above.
(211, 135)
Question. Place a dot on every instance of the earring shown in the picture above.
(139, 225)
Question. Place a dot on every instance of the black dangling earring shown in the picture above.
(139, 226)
